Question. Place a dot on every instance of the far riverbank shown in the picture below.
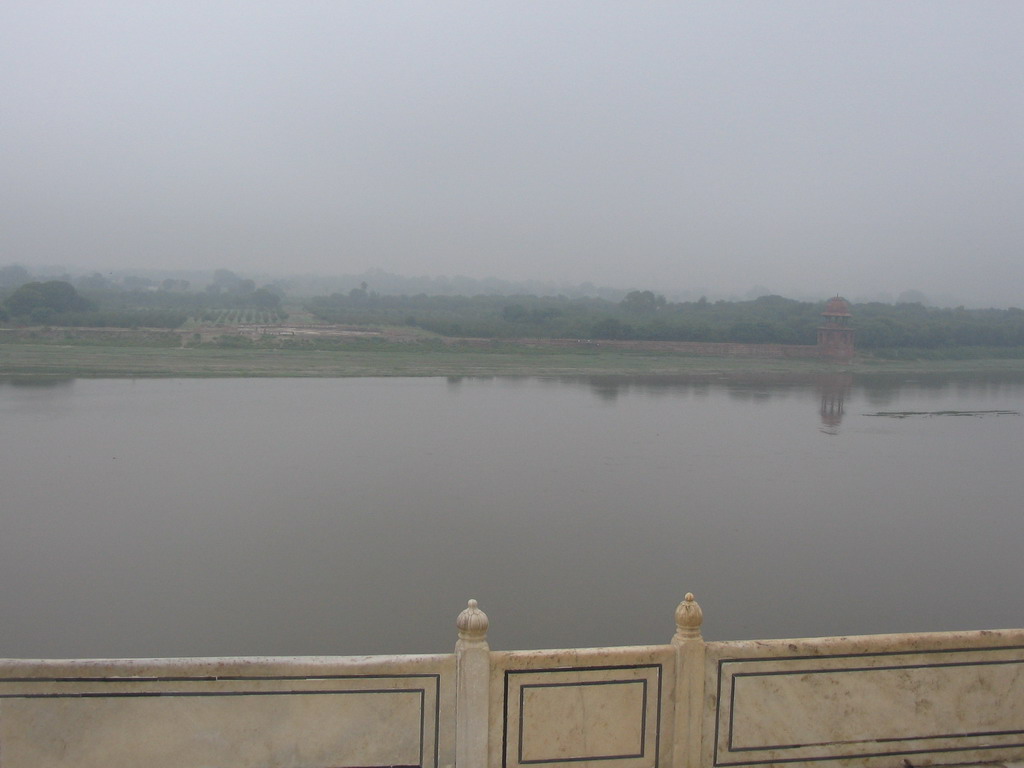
(361, 359)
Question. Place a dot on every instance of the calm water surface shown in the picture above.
(350, 516)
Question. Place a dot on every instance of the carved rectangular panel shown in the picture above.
(583, 714)
(950, 705)
(323, 722)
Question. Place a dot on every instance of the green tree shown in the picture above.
(53, 295)
(514, 313)
(642, 302)
(263, 298)
(25, 299)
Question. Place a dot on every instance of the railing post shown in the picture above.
(689, 703)
(472, 694)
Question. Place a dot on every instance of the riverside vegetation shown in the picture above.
(233, 328)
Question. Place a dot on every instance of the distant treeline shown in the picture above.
(644, 315)
(908, 329)
(57, 302)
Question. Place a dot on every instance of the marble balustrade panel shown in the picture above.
(872, 701)
(609, 707)
(232, 713)
(929, 699)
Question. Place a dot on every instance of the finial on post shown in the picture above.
(472, 624)
(689, 617)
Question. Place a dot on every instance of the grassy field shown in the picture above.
(395, 359)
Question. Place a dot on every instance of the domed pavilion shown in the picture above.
(835, 336)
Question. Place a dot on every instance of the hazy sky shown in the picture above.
(810, 147)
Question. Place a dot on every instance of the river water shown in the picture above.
(349, 516)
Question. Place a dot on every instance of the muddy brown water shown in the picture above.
(351, 516)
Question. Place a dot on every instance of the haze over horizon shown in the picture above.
(809, 147)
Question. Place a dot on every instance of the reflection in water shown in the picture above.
(36, 382)
(834, 389)
(831, 391)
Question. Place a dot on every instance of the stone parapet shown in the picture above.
(944, 698)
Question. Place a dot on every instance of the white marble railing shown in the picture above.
(885, 700)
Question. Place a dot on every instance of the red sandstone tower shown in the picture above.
(835, 336)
